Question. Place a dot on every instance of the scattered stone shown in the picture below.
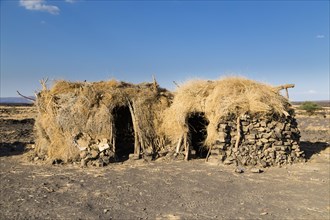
(83, 163)
(57, 161)
(239, 170)
(255, 170)
(134, 157)
(213, 160)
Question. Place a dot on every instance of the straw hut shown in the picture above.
(99, 122)
(233, 120)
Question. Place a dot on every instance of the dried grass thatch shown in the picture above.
(75, 115)
(229, 98)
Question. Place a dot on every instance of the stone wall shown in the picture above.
(263, 142)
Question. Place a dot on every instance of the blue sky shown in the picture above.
(276, 42)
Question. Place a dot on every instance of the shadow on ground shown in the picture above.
(311, 148)
(11, 149)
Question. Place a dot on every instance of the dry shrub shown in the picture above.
(72, 110)
(229, 97)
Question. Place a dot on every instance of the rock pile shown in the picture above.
(262, 142)
(97, 154)
(101, 153)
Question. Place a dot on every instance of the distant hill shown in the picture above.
(15, 100)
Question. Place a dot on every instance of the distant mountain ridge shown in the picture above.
(15, 100)
(21, 100)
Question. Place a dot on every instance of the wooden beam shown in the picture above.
(286, 87)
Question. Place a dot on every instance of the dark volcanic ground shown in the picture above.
(162, 190)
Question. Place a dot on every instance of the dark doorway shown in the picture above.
(124, 132)
(197, 133)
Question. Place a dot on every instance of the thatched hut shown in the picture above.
(233, 120)
(99, 122)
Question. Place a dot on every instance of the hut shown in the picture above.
(232, 120)
(99, 122)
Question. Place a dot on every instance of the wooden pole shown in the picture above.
(208, 154)
(178, 146)
(155, 84)
(238, 127)
(287, 93)
(238, 138)
(136, 136)
(186, 147)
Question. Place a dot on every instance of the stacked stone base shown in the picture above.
(100, 153)
(262, 143)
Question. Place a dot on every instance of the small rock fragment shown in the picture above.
(103, 145)
(83, 154)
(134, 157)
(83, 163)
(94, 154)
(255, 170)
(239, 170)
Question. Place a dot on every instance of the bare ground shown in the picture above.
(161, 189)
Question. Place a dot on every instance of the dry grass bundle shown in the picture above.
(229, 97)
(71, 112)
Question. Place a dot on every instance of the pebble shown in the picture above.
(239, 170)
(255, 170)
(83, 163)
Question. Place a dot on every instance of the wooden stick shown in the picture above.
(114, 144)
(238, 138)
(177, 85)
(155, 84)
(43, 83)
(208, 154)
(238, 127)
(112, 138)
(186, 147)
(32, 99)
(138, 131)
(136, 137)
(178, 146)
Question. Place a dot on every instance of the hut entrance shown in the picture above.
(124, 132)
(197, 133)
